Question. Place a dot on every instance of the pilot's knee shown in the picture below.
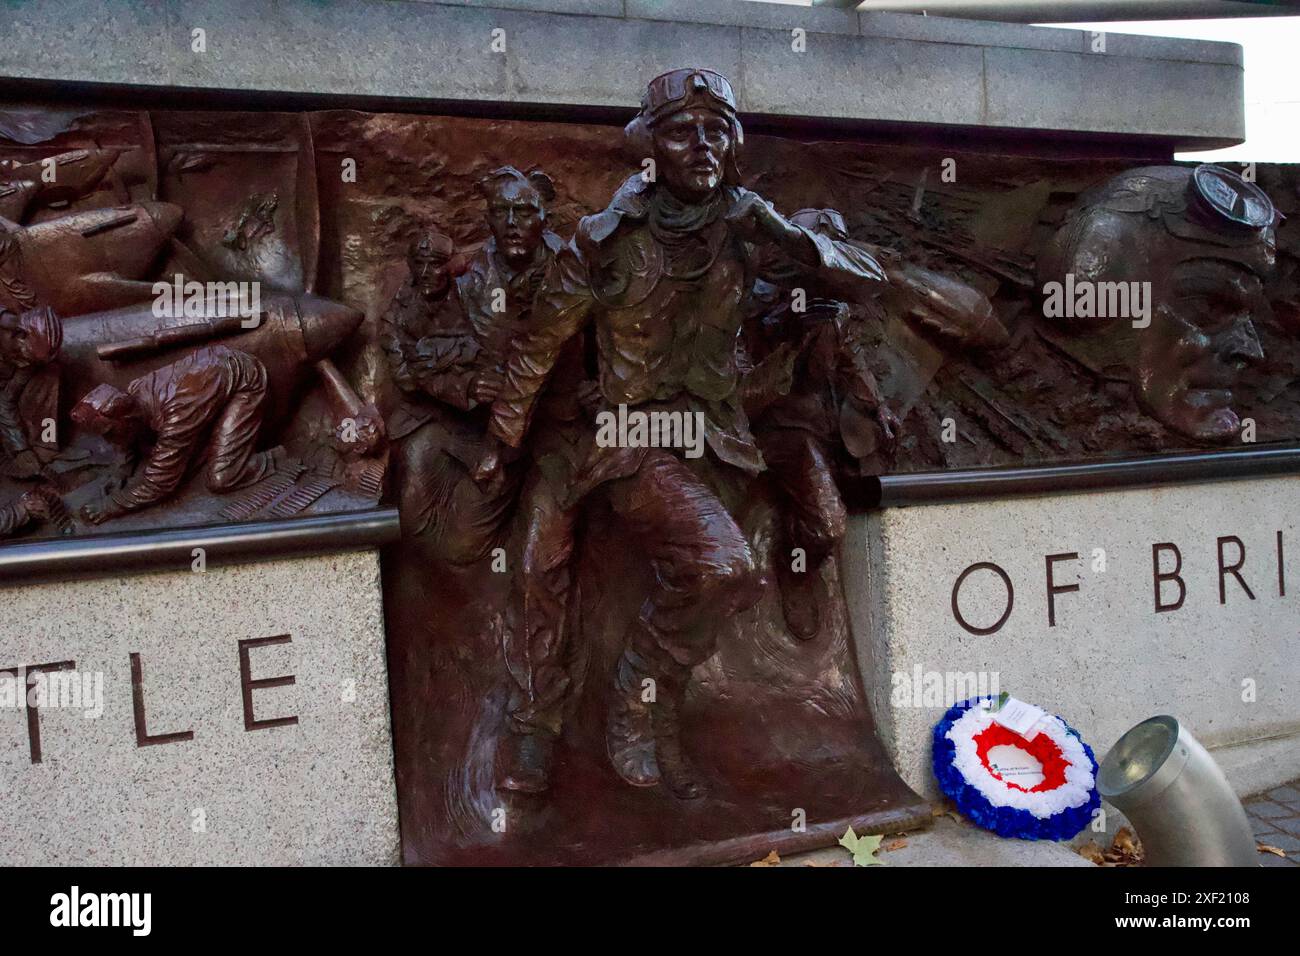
(733, 583)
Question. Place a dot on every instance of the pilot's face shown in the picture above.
(427, 269)
(15, 347)
(120, 432)
(691, 152)
(1200, 340)
(517, 220)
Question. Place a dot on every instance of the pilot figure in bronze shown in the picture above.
(661, 275)
(427, 371)
(832, 408)
(1202, 241)
(29, 348)
(448, 344)
(205, 408)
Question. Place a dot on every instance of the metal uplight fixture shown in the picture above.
(1177, 798)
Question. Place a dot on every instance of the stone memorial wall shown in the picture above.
(1113, 605)
(229, 718)
(624, 386)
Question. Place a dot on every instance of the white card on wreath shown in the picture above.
(1019, 717)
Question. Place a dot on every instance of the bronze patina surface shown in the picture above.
(602, 647)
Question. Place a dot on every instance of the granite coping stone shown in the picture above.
(879, 23)
(872, 68)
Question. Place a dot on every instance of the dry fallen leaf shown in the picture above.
(893, 845)
(1125, 841)
(1125, 850)
(1092, 853)
(770, 860)
(1265, 848)
(863, 848)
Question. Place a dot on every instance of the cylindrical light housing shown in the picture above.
(1176, 797)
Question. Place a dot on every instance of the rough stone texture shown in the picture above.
(318, 792)
(1193, 51)
(781, 82)
(1096, 92)
(904, 26)
(775, 16)
(606, 8)
(870, 67)
(1110, 661)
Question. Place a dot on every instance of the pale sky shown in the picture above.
(1271, 45)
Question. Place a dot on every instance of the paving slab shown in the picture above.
(949, 843)
(1275, 819)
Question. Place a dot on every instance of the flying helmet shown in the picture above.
(679, 90)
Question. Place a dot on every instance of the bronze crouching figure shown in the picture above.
(831, 408)
(206, 407)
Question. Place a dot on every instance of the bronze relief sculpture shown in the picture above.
(205, 406)
(662, 276)
(133, 366)
(30, 342)
(624, 417)
(827, 415)
(1203, 241)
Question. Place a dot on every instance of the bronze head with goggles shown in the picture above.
(688, 124)
(1191, 251)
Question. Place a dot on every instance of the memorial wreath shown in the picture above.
(977, 760)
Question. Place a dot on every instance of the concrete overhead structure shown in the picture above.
(589, 57)
(1075, 11)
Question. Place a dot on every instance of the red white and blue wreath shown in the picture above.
(977, 761)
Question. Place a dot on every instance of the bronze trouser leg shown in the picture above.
(535, 633)
(438, 498)
(704, 568)
(813, 516)
(233, 463)
(12, 517)
(425, 477)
